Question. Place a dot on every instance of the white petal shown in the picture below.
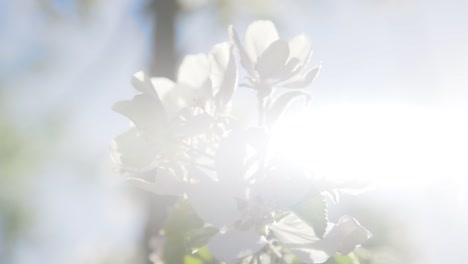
(131, 150)
(258, 37)
(273, 60)
(300, 47)
(171, 94)
(283, 187)
(292, 231)
(163, 86)
(143, 107)
(235, 244)
(300, 239)
(213, 202)
(223, 72)
(194, 71)
(194, 123)
(346, 235)
(244, 58)
(146, 112)
(302, 80)
(142, 83)
(292, 67)
(165, 183)
(310, 255)
(231, 159)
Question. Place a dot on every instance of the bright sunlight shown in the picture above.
(378, 144)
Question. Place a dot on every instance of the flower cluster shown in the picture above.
(185, 142)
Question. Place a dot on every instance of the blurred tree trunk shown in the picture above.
(163, 61)
(164, 43)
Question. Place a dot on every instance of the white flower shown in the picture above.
(145, 110)
(166, 113)
(271, 61)
(185, 143)
(204, 82)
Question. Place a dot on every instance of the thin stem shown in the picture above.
(263, 95)
(261, 110)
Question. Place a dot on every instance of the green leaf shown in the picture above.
(343, 259)
(180, 221)
(296, 260)
(199, 237)
(313, 210)
(201, 256)
(340, 259)
(278, 106)
(192, 260)
(364, 256)
(205, 254)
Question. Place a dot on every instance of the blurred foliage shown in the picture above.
(23, 150)
(82, 8)
(228, 10)
(17, 157)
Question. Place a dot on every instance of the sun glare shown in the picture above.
(379, 144)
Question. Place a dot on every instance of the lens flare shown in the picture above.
(381, 144)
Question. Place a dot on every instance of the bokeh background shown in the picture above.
(389, 108)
